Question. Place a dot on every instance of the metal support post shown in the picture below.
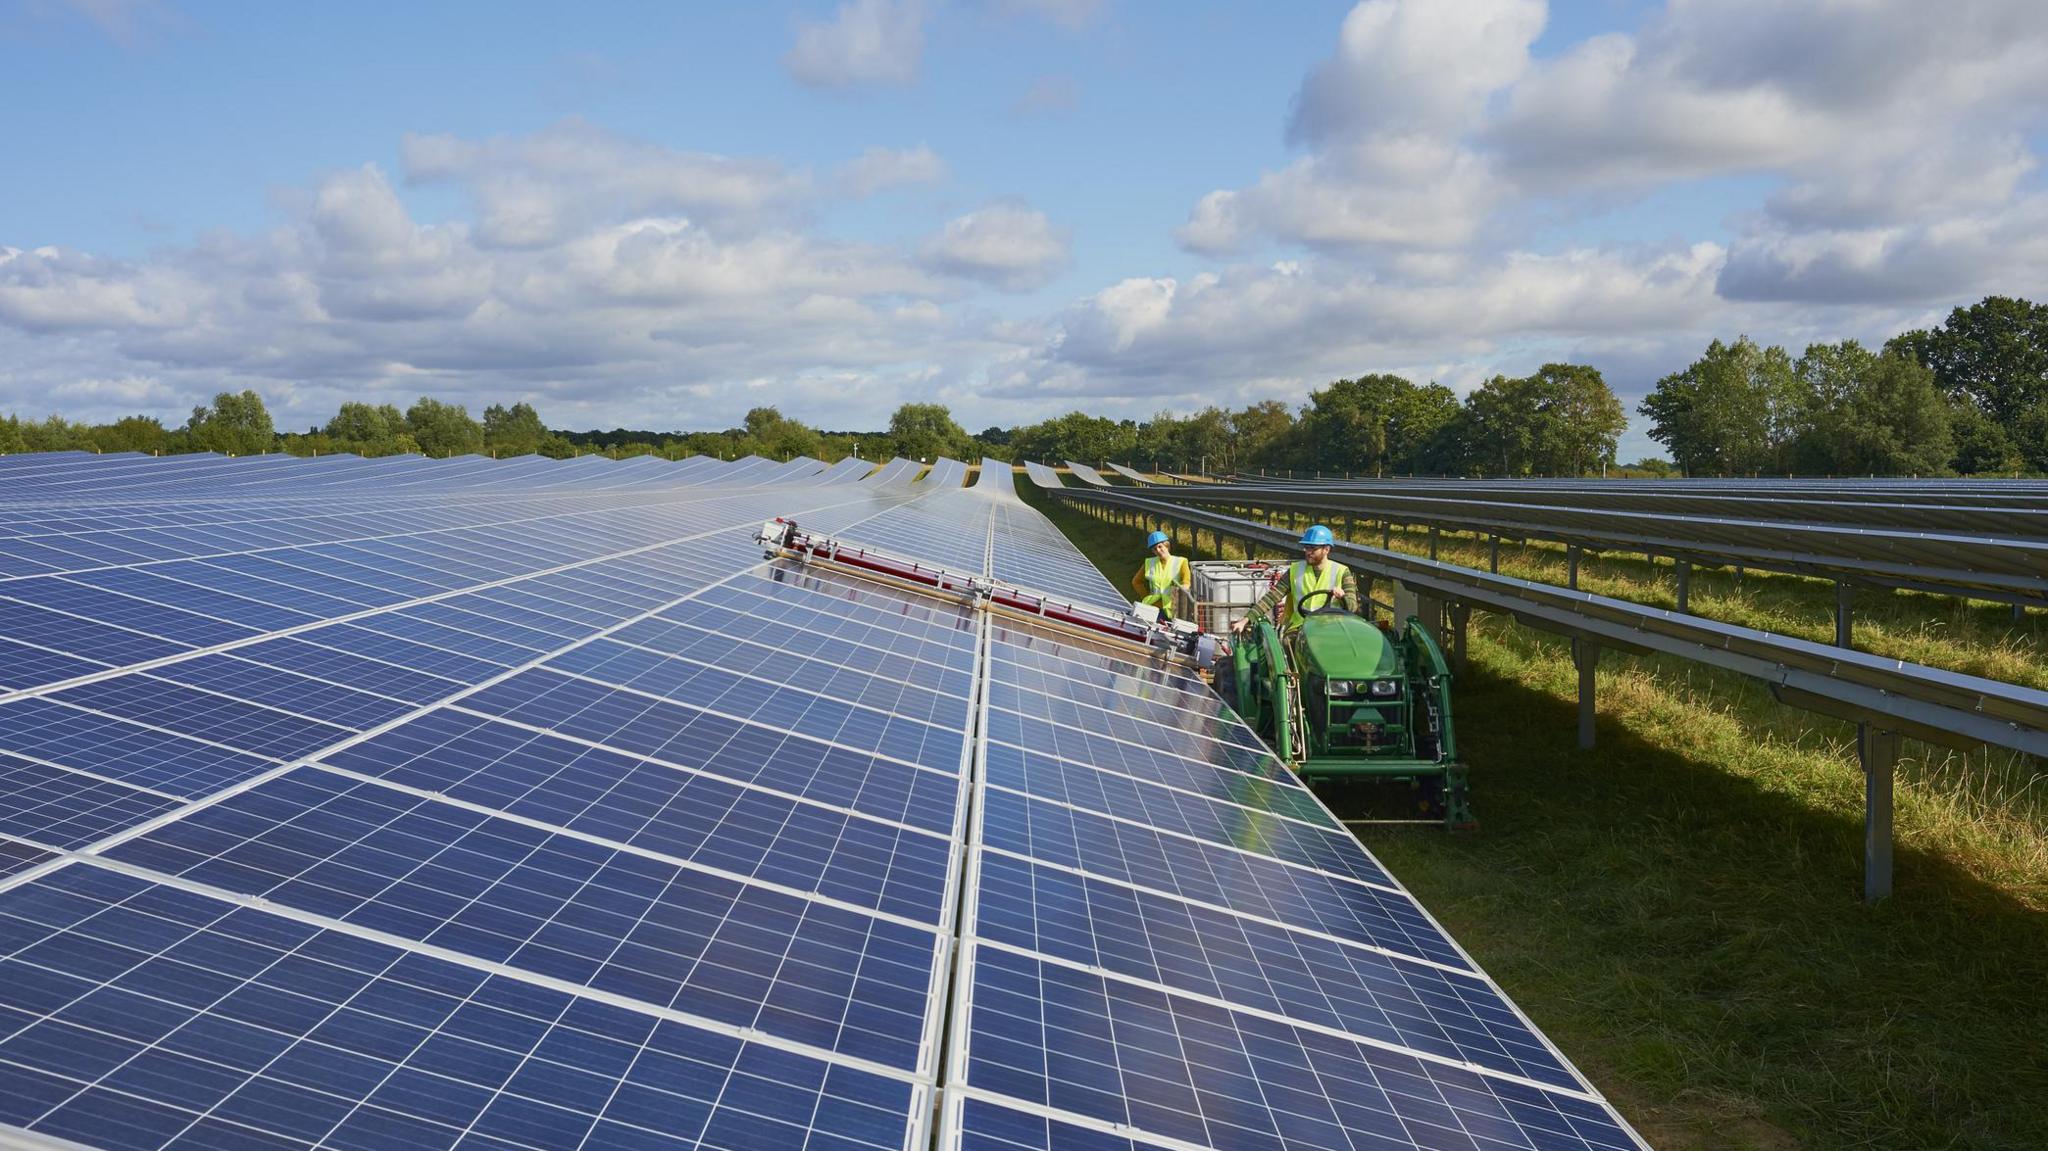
(1461, 616)
(1684, 570)
(1880, 755)
(1586, 654)
(1432, 541)
(2019, 613)
(1493, 554)
(1845, 606)
(1386, 535)
(1571, 566)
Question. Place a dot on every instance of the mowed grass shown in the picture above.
(1679, 909)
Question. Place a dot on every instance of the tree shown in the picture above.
(513, 431)
(1345, 422)
(1870, 414)
(2031, 436)
(769, 433)
(236, 423)
(1995, 352)
(1733, 411)
(10, 436)
(1260, 435)
(1500, 427)
(130, 434)
(1077, 436)
(442, 429)
(1982, 447)
(927, 431)
(366, 429)
(1416, 422)
(1581, 420)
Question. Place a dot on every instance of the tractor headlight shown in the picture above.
(1342, 687)
(1382, 688)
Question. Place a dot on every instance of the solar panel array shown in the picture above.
(1976, 538)
(408, 803)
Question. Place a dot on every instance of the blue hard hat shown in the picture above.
(1317, 536)
(1154, 540)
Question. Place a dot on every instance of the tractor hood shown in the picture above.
(1347, 647)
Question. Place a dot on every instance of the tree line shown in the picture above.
(1968, 397)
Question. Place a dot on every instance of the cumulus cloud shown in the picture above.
(535, 189)
(621, 304)
(1008, 245)
(1386, 121)
(1164, 336)
(867, 43)
(879, 169)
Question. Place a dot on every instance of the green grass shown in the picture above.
(1679, 908)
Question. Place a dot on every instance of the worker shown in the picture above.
(1162, 572)
(1311, 575)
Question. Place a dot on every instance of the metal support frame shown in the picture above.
(1493, 554)
(1683, 568)
(1845, 612)
(1386, 535)
(1879, 751)
(1461, 618)
(1586, 654)
(1432, 541)
(1571, 566)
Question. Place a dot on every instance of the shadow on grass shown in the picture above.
(1695, 941)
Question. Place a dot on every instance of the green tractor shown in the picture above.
(1343, 698)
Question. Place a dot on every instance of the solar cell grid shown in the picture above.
(1264, 967)
(144, 1016)
(723, 746)
(123, 751)
(563, 907)
(66, 809)
(1176, 1066)
(1192, 777)
(690, 818)
(1123, 756)
(1209, 873)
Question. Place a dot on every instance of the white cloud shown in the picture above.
(1007, 245)
(651, 318)
(536, 189)
(868, 43)
(879, 169)
(1386, 120)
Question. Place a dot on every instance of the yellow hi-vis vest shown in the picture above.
(1160, 578)
(1301, 582)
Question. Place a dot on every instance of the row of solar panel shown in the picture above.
(727, 815)
(654, 822)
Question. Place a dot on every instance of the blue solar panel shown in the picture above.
(61, 808)
(563, 907)
(558, 816)
(695, 818)
(139, 1015)
(1176, 1066)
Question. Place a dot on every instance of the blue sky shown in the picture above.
(662, 215)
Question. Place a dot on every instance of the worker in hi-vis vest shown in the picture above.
(1311, 583)
(1162, 572)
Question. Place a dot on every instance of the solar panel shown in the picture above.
(519, 803)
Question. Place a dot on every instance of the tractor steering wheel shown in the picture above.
(1329, 597)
